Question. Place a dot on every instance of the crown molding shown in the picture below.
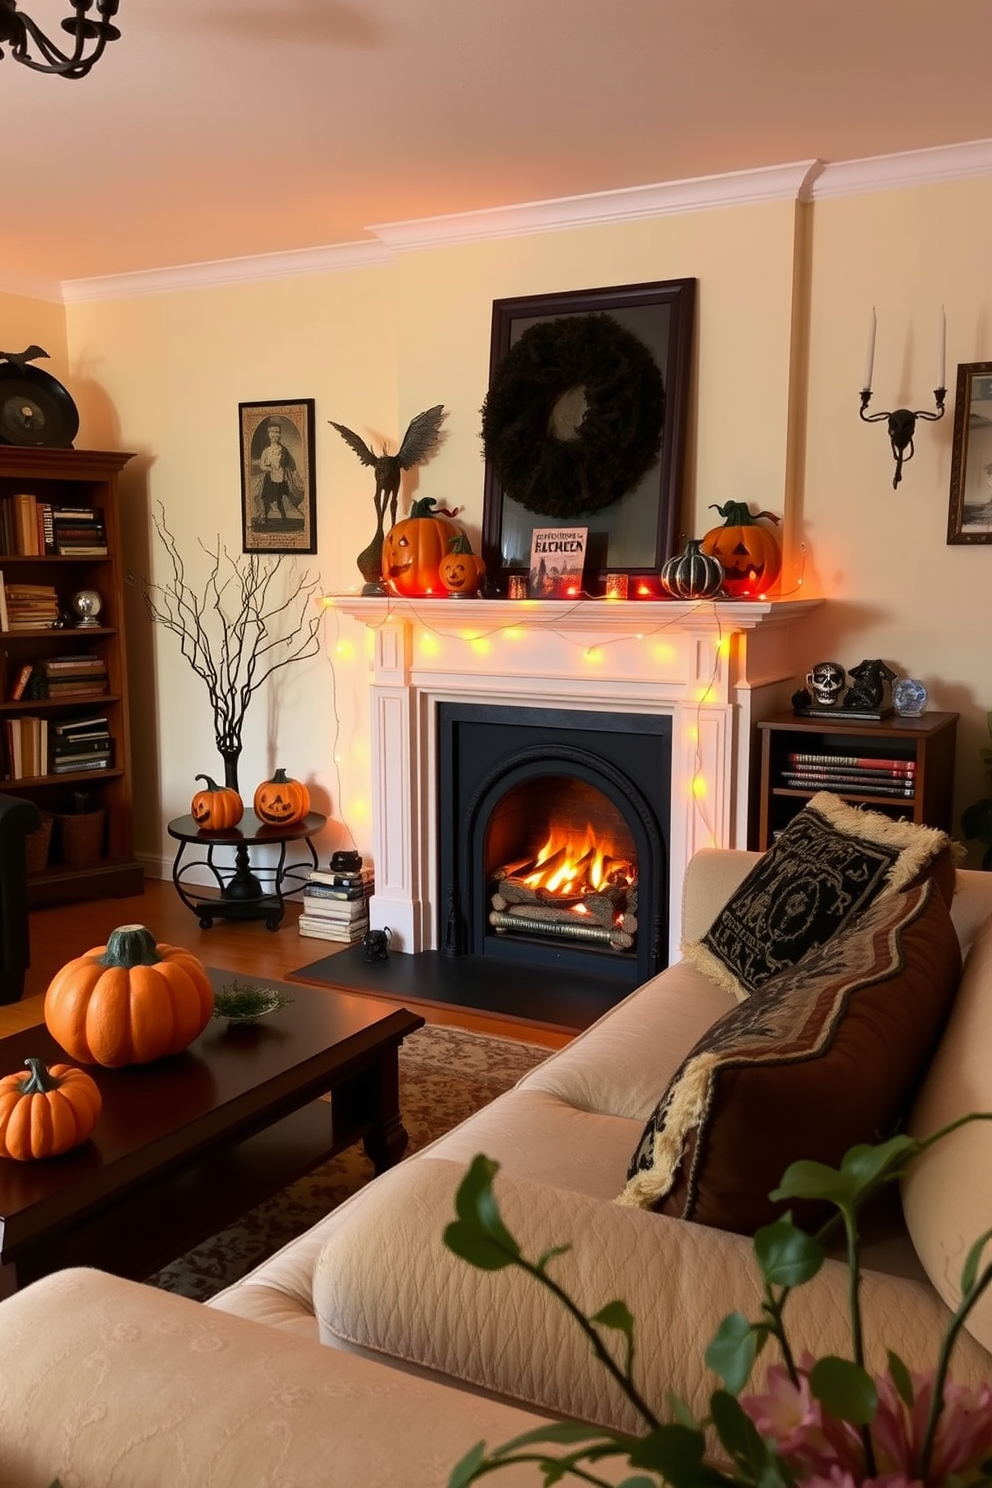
(31, 289)
(907, 169)
(809, 180)
(790, 182)
(227, 271)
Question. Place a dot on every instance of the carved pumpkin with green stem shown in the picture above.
(282, 800)
(750, 554)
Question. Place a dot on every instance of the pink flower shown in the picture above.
(826, 1453)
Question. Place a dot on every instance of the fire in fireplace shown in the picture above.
(553, 837)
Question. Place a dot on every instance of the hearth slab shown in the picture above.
(543, 996)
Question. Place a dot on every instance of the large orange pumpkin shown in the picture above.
(130, 1001)
(281, 800)
(413, 548)
(216, 807)
(47, 1111)
(750, 554)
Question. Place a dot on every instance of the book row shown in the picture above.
(59, 677)
(36, 746)
(30, 527)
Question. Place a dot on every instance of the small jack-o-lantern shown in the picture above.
(281, 800)
(216, 807)
(461, 571)
(413, 548)
(750, 554)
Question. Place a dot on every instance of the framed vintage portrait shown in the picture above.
(584, 425)
(278, 499)
(969, 518)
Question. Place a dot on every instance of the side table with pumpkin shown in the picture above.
(247, 889)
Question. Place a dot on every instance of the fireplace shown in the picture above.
(552, 829)
(689, 679)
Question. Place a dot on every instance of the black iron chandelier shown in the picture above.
(29, 44)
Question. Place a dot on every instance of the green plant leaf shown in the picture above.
(679, 1411)
(969, 1271)
(787, 1255)
(812, 1180)
(677, 1452)
(615, 1315)
(733, 1351)
(901, 1378)
(545, 1260)
(464, 1471)
(844, 1389)
(479, 1235)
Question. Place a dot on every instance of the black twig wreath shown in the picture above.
(618, 438)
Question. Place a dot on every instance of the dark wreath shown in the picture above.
(618, 438)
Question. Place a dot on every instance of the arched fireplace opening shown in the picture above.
(553, 838)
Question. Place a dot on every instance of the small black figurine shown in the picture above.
(376, 944)
(346, 861)
(868, 688)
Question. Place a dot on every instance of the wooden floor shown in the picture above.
(59, 932)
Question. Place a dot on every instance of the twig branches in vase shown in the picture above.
(237, 630)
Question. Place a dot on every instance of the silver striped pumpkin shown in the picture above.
(692, 574)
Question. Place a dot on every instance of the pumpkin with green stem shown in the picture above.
(461, 571)
(47, 1111)
(750, 554)
(130, 1001)
(282, 800)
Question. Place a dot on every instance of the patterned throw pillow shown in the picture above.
(822, 871)
(828, 1055)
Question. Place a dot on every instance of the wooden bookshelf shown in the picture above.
(80, 478)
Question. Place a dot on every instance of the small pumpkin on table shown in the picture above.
(47, 1111)
(215, 808)
(282, 800)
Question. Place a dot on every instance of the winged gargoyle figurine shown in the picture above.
(418, 444)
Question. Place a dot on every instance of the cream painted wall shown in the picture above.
(897, 590)
(784, 295)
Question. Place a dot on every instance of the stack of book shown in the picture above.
(27, 748)
(849, 774)
(336, 905)
(69, 676)
(28, 606)
(80, 744)
(78, 532)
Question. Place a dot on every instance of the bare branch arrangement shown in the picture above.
(236, 632)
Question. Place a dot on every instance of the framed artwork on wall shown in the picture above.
(278, 498)
(969, 517)
(584, 425)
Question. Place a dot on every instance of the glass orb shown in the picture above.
(87, 604)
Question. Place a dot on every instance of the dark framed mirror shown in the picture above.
(969, 517)
(635, 531)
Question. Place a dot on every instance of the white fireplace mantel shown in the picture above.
(715, 667)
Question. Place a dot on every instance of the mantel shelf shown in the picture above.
(578, 617)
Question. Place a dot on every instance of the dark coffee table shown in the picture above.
(185, 1145)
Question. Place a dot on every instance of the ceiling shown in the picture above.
(215, 129)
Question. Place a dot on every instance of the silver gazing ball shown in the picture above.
(87, 604)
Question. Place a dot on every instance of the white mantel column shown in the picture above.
(397, 804)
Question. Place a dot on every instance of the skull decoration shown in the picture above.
(826, 682)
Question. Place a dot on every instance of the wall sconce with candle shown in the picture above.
(902, 421)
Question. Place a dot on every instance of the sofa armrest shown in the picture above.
(385, 1284)
(711, 876)
(111, 1384)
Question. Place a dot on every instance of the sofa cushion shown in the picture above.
(822, 871)
(828, 1054)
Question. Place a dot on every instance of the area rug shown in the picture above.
(445, 1075)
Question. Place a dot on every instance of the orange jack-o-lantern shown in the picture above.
(750, 554)
(216, 807)
(413, 548)
(281, 800)
(461, 571)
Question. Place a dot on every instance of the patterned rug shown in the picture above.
(445, 1075)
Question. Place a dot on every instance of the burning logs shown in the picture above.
(604, 915)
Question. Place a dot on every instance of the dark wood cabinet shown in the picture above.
(85, 479)
(853, 757)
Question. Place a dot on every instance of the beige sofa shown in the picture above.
(189, 1393)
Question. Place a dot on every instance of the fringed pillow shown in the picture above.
(822, 871)
(829, 1055)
